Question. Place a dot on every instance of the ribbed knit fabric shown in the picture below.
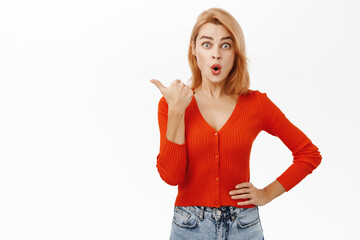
(210, 163)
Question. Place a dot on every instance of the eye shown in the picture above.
(226, 46)
(206, 45)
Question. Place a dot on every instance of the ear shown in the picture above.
(193, 48)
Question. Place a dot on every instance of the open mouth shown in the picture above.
(216, 69)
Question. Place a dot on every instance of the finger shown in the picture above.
(176, 81)
(158, 84)
(243, 185)
(241, 191)
(244, 203)
(242, 196)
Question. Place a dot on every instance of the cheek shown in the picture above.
(201, 57)
(230, 59)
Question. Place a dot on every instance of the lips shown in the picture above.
(216, 69)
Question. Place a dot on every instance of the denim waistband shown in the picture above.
(226, 211)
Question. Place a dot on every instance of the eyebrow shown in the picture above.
(224, 38)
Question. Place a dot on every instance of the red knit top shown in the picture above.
(210, 163)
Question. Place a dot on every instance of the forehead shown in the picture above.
(213, 30)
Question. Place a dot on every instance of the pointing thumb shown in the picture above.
(158, 84)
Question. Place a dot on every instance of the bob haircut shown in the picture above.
(238, 80)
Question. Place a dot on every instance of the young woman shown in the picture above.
(206, 133)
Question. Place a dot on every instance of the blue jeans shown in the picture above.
(210, 223)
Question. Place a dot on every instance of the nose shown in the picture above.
(216, 54)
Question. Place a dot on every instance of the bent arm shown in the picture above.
(273, 190)
(172, 158)
(306, 156)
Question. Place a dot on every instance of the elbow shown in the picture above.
(315, 157)
(308, 164)
(318, 159)
(309, 156)
(171, 179)
(173, 182)
(314, 161)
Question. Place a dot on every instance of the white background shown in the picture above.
(78, 115)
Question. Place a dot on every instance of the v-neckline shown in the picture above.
(228, 122)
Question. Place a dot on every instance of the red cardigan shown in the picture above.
(210, 163)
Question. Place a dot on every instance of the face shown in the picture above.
(215, 52)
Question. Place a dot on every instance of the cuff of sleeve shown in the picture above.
(294, 175)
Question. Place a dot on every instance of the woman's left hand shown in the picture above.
(246, 190)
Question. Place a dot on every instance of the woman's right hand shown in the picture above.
(178, 96)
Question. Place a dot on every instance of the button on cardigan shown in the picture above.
(210, 163)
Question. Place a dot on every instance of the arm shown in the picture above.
(273, 190)
(172, 158)
(257, 196)
(176, 126)
(306, 156)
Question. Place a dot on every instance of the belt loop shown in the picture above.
(202, 213)
(232, 213)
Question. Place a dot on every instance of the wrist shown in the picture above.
(268, 197)
(273, 190)
(175, 111)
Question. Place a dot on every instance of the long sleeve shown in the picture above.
(172, 158)
(306, 156)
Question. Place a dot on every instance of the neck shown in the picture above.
(211, 90)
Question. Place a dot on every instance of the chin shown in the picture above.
(216, 79)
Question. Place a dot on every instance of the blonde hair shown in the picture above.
(238, 80)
